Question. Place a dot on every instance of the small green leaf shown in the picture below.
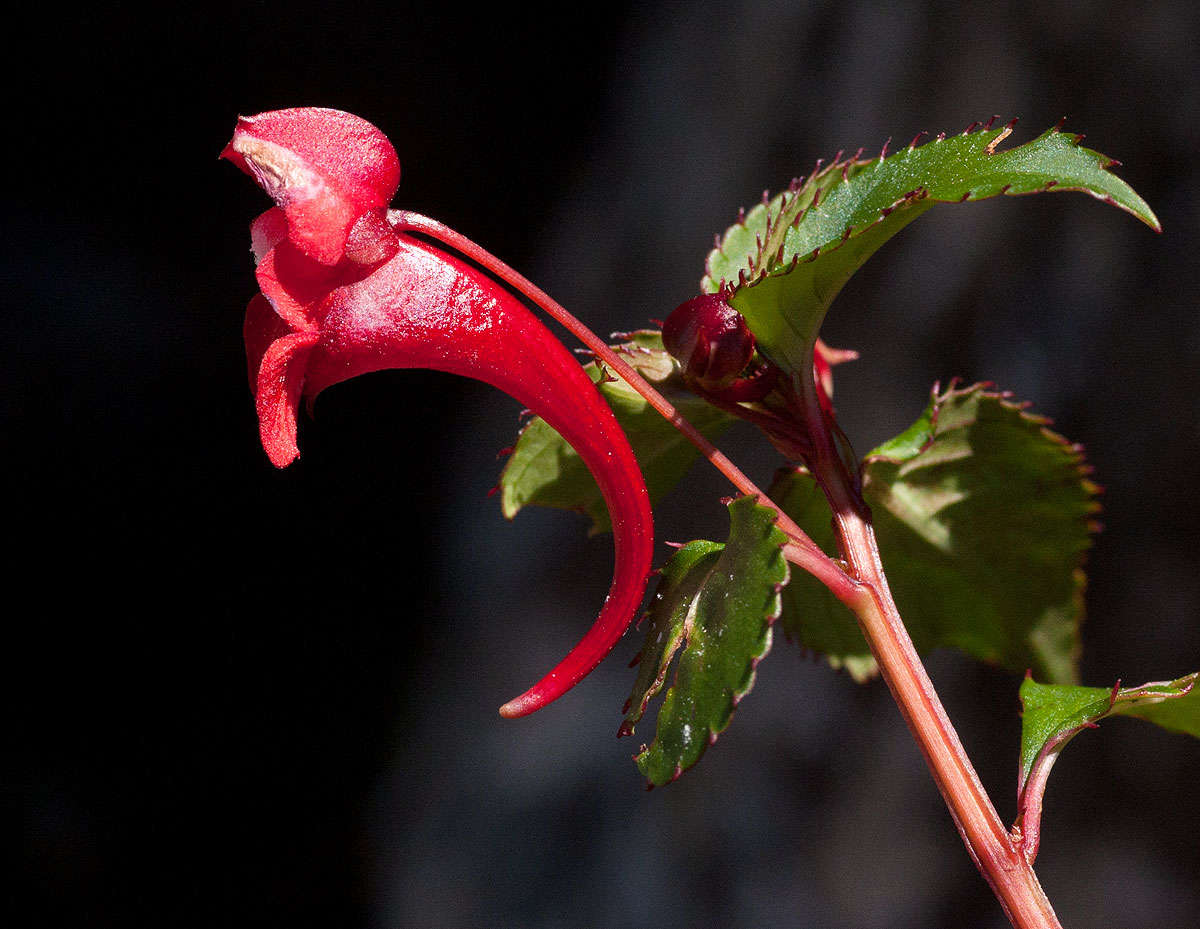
(1053, 714)
(983, 517)
(787, 259)
(545, 471)
(720, 602)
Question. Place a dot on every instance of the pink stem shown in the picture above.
(801, 550)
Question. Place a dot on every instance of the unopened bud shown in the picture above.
(710, 339)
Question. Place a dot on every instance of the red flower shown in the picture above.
(345, 293)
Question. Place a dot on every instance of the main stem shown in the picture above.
(996, 856)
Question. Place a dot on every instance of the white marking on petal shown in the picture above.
(278, 171)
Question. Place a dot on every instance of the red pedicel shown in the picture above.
(344, 293)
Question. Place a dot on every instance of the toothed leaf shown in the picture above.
(545, 471)
(797, 256)
(983, 516)
(723, 607)
(1053, 714)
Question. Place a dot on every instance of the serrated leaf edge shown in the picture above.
(1075, 455)
(797, 188)
(757, 271)
(1074, 451)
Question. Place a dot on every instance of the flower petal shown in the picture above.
(371, 239)
(277, 394)
(324, 167)
(267, 231)
(294, 285)
(262, 327)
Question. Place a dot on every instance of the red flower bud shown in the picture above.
(710, 339)
(344, 293)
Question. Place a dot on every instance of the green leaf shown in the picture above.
(1053, 714)
(718, 601)
(787, 259)
(983, 516)
(545, 471)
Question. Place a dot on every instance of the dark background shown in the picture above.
(236, 696)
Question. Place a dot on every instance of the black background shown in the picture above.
(236, 696)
